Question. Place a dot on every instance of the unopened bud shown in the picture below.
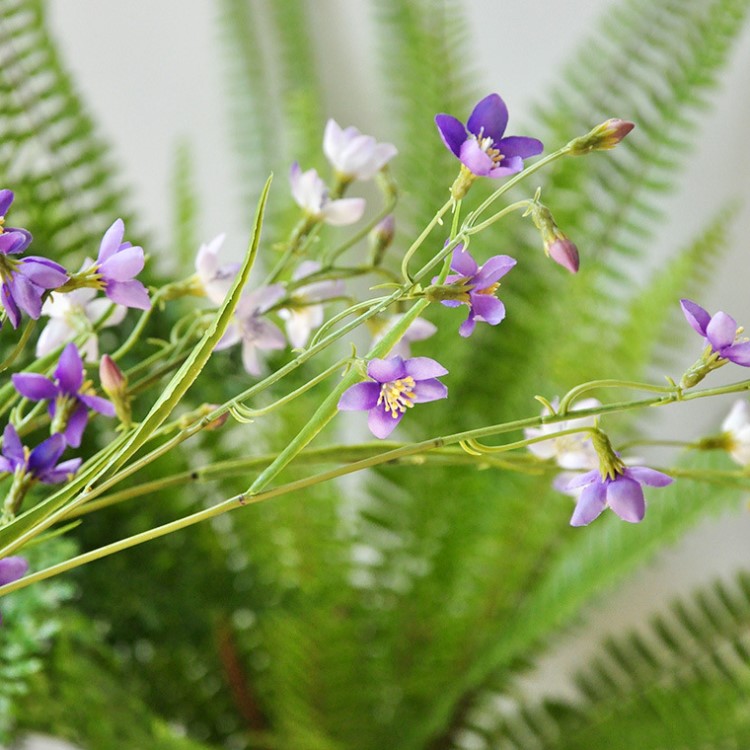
(602, 138)
(380, 239)
(115, 385)
(557, 245)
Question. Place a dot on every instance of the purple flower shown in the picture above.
(623, 493)
(398, 385)
(116, 267)
(477, 286)
(311, 194)
(720, 331)
(39, 464)
(480, 144)
(24, 280)
(353, 155)
(252, 329)
(69, 397)
(215, 279)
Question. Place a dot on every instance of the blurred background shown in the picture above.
(152, 76)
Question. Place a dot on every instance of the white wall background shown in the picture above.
(152, 74)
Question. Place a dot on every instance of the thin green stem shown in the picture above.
(422, 237)
(20, 346)
(468, 231)
(567, 400)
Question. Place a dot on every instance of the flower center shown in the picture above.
(397, 395)
(488, 146)
(490, 289)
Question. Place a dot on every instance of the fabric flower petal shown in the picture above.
(124, 265)
(386, 370)
(695, 315)
(69, 370)
(111, 240)
(381, 422)
(452, 132)
(76, 426)
(360, 397)
(46, 454)
(489, 118)
(33, 386)
(429, 390)
(519, 145)
(590, 504)
(129, 293)
(342, 212)
(421, 368)
(645, 475)
(721, 331)
(625, 497)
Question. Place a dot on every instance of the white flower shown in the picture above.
(736, 426)
(353, 155)
(216, 280)
(311, 194)
(253, 330)
(302, 318)
(569, 451)
(419, 330)
(74, 313)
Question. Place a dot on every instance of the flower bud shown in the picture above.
(602, 138)
(115, 385)
(380, 239)
(557, 245)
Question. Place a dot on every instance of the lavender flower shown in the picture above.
(480, 144)
(302, 316)
(475, 286)
(311, 194)
(69, 397)
(353, 155)
(623, 493)
(397, 385)
(721, 333)
(39, 464)
(254, 331)
(24, 280)
(116, 267)
(215, 279)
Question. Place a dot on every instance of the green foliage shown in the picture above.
(383, 613)
(186, 220)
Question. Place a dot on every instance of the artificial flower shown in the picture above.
(623, 493)
(74, 313)
(304, 313)
(24, 280)
(117, 265)
(353, 155)
(252, 329)
(39, 464)
(476, 286)
(311, 194)
(720, 331)
(69, 397)
(396, 385)
(480, 144)
(215, 279)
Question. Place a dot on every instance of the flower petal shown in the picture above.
(386, 370)
(452, 132)
(381, 422)
(495, 268)
(463, 263)
(625, 497)
(46, 455)
(10, 306)
(738, 353)
(488, 308)
(519, 145)
(6, 198)
(591, 503)
(645, 475)
(423, 368)
(76, 426)
(69, 370)
(12, 446)
(360, 397)
(584, 479)
(695, 315)
(44, 273)
(721, 331)
(111, 240)
(341, 213)
(98, 404)
(128, 293)
(123, 265)
(62, 472)
(489, 118)
(475, 160)
(33, 386)
(467, 327)
(429, 390)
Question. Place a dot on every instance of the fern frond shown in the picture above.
(185, 240)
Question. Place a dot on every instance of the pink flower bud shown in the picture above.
(111, 377)
(602, 138)
(564, 252)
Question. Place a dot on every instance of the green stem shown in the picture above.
(20, 346)
(574, 393)
(496, 217)
(436, 219)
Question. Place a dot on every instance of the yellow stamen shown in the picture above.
(397, 395)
